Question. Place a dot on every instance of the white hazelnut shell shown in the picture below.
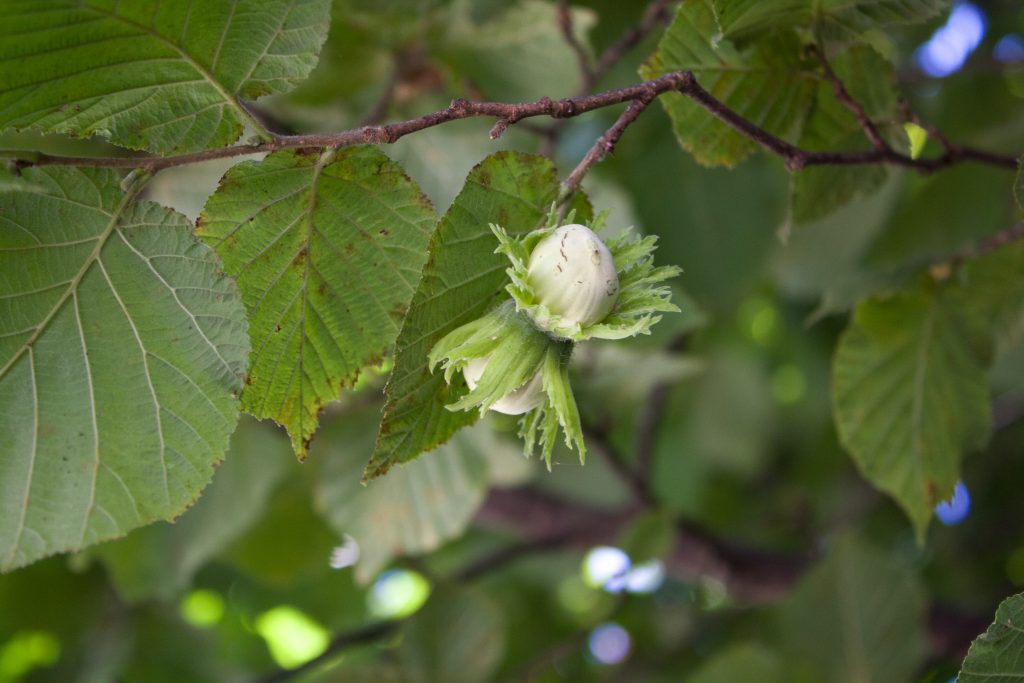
(572, 272)
(521, 400)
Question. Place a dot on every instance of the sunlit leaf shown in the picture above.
(327, 250)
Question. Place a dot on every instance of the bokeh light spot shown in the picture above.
(202, 608)
(609, 643)
(948, 48)
(954, 510)
(604, 567)
(398, 593)
(1010, 48)
(292, 637)
(789, 384)
(26, 651)
(646, 577)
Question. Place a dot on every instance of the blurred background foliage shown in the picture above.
(762, 554)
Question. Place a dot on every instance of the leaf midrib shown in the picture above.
(101, 240)
(920, 378)
(228, 97)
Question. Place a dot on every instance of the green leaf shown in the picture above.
(122, 348)
(857, 616)
(161, 77)
(770, 83)
(460, 280)
(831, 18)
(917, 137)
(742, 662)
(525, 33)
(160, 560)
(944, 214)
(411, 511)
(911, 395)
(459, 635)
(998, 653)
(326, 250)
(818, 191)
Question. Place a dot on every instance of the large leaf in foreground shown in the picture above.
(165, 77)
(910, 393)
(769, 83)
(998, 653)
(327, 250)
(122, 348)
(460, 280)
(857, 616)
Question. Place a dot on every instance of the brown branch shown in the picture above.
(605, 144)
(565, 25)
(510, 113)
(844, 97)
(656, 14)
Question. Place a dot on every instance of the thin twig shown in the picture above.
(565, 25)
(384, 101)
(656, 14)
(844, 97)
(605, 144)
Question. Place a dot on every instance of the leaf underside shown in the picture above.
(122, 349)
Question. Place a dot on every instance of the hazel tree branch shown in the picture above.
(565, 25)
(605, 144)
(508, 114)
(656, 13)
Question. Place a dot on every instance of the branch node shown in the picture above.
(500, 126)
(795, 162)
